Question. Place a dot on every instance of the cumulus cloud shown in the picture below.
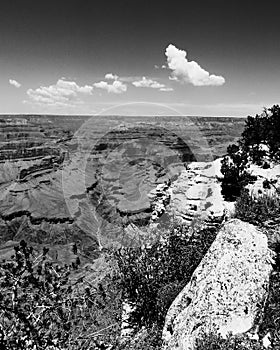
(63, 93)
(111, 76)
(148, 83)
(117, 87)
(189, 71)
(14, 83)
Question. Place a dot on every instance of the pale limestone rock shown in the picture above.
(197, 191)
(226, 291)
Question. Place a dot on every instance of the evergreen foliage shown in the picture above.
(43, 307)
(259, 144)
(234, 168)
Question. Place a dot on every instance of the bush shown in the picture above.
(43, 306)
(271, 316)
(152, 276)
(216, 342)
(150, 339)
(257, 209)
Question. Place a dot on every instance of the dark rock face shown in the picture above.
(226, 291)
(141, 158)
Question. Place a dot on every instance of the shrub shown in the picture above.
(150, 339)
(257, 209)
(43, 305)
(152, 276)
(271, 313)
(216, 342)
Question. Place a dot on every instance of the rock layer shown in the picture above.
(226, 291)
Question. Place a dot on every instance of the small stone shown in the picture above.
(266, 342)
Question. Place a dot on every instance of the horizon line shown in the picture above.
(114, 115)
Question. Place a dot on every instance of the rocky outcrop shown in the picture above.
(197, 192)
(227, 290)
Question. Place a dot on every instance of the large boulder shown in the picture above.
(227, 290)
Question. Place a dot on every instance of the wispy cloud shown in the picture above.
(63, 93)
(189, 71)
(167, 89)
(14, 83)
(129, 79)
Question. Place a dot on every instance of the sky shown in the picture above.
(210, 58)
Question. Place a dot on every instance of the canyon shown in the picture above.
(94, 181)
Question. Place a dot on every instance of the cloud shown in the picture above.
(63, 93)
(166, 89)
(189, 71)
(117, 87)
(163, 66)
(14, 83)
(148, 83)
(124, 79)
(111, 76)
